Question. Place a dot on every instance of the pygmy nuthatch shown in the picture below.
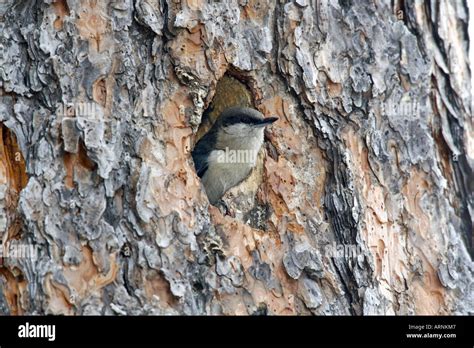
(226, 155)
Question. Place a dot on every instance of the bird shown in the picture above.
(227, 153)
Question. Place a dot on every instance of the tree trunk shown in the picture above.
(362, 199)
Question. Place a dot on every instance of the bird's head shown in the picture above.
(243, 122)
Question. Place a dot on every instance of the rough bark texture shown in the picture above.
(373, 149)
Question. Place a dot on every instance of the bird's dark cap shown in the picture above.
(245, 115)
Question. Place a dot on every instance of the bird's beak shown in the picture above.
(266, 121)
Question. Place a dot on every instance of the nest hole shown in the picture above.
(230, 91)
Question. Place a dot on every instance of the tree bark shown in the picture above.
(362, 199)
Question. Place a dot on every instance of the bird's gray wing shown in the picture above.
(200, 162)
(201, 152)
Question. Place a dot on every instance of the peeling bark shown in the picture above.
(102, 103)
